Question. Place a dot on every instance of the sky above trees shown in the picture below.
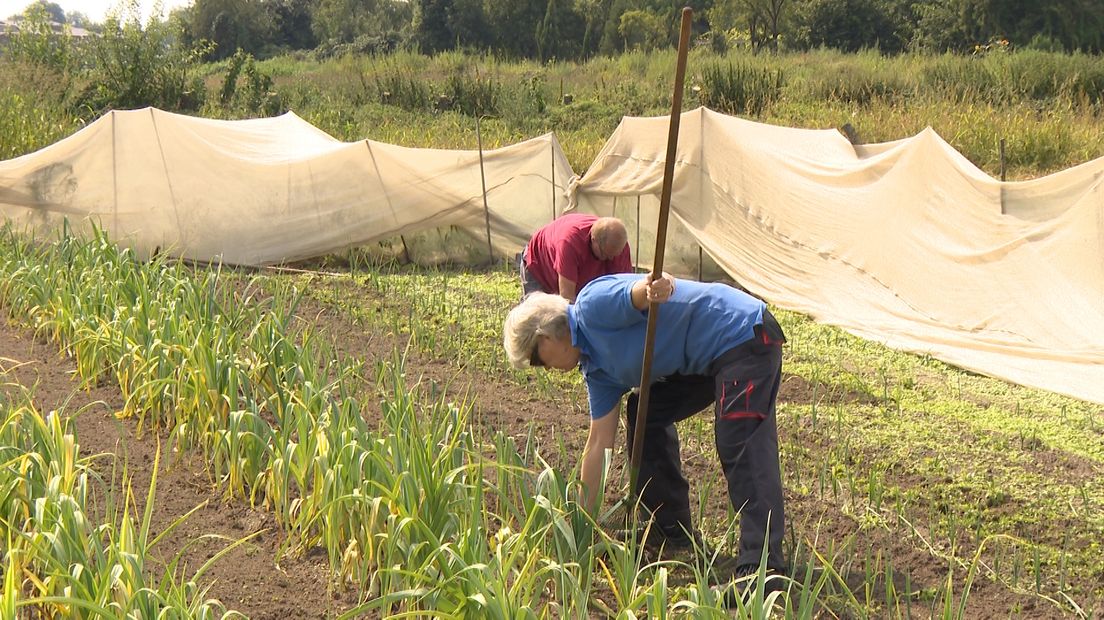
(95, 10)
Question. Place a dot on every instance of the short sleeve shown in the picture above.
(603, 396)
(606, 303)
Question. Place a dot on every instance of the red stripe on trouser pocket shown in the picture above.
(743, 415)
(746, 413)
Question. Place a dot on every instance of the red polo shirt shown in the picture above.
(562, 248)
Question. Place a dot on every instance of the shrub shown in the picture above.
(134, 67)
(247, 90)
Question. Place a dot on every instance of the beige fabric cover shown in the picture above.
(272, 190)
(906, 243)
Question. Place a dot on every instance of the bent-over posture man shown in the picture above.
(714, 345)
(572, 250)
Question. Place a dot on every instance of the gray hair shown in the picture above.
(539, 314)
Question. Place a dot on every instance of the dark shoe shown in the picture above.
(745, 584)
(658, 538)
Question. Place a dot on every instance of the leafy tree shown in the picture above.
(764, 21)
(612, 42)
(849, 25)
(560, 33)
(468, 24)
(515, 25)
(947, 25)
(431, 25)
(962, 24)
(594, 14)
(78, 20)
(642, 30)
(53, 10)
(37, 43)
(292, 23)
(343, 21)
(662, 15)
(232, 25)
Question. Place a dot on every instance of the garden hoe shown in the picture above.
(627, 505)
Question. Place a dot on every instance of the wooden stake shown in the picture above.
(661, 241)
(483, 180)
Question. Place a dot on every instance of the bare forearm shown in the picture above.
(639, 295)
(591, 475)
(603, 430)
(567, 289)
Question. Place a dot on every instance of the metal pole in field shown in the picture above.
(661, 239)
(483, 180)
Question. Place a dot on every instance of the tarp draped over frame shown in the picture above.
(904, 243)
(272, 190)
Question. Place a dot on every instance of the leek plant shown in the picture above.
(58, 559)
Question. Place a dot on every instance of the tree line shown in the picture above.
(578, 29)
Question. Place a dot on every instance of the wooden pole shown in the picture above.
(661, 240)
(636, 251)
(483, 180)
(552, 151)
(1002, 158)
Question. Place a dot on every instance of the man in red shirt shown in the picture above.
(572, 250)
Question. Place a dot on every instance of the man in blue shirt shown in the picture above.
(714, 345)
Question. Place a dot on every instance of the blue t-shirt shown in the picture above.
(696, 326)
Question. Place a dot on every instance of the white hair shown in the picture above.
(539, 314)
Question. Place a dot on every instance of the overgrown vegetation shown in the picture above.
(1045, 106)
(579, 29)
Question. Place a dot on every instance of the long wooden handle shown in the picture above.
(661, 243)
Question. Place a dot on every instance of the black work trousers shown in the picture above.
(742, 384)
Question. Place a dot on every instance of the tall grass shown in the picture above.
(1046, 106)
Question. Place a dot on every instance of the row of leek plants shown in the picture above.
(59, 559)
(410, 509)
